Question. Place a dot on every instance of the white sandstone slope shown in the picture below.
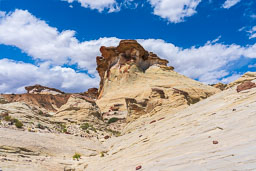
(180, 140)
(184, 140)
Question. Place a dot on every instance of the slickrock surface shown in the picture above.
(185, 140)
(217, 133)
(28, 151)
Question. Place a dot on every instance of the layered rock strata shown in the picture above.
(141, 83)
(38, 89)
(127, 52)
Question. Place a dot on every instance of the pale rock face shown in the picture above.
(178, 140)
(217, 133)
(130, 82)
(78, 109)
(127, 52)
(249, 76)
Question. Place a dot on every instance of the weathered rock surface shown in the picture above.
(217, 133)
(75, 114)
(208, 135)
(249, 76)
(245, 86)
(220, 86)
(78, 111)
(38, 89)
(44, 101)
(127, 52)
(30, 151)
(92, 93)
(141, 82)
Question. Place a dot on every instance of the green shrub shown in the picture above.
(115, 133)
(65, 130)
(76, 156)
(7, 118)
(85, 126)
(112, 120)
(19, 124)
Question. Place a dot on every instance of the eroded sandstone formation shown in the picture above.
(127, 52)
(140, 83)
(220, 86)
(38, 89)
(248, 76)
(92, 93)
(46, 101)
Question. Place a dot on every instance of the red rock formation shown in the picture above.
(47, 101)
(92, 93)
(245, 86)
(127, 52)
(38, 89)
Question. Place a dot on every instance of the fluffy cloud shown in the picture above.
(36, 38)
(252, 33)
(174, 10)
(230, 3)
(2, 13)
(14, 76)
(110, 5)
(206, 63)
(52, 49)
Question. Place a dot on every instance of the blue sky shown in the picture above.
(55, 42)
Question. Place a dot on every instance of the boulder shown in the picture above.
(245, 86)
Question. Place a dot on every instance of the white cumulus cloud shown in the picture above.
(52, 49)
(252, 33)
(230, 3)
(207, 63)
(99, 5)
(174, 10)
(107, 5)
(14, 76)
(36, 38)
